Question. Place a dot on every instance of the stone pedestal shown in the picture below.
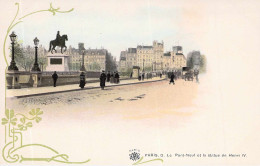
(37, 79)
(12, 79)
(57, 62)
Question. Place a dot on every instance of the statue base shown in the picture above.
(57, 62)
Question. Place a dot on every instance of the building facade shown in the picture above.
(122, 61)
(152, 58)
(179, 61)
(94, 60)
(148, 58)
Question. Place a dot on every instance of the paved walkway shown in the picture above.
(29, 92)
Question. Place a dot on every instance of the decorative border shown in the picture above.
(142, 162)
(14, 138)
(14, 129)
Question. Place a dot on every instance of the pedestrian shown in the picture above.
(139, 77)
(112, 78)
(54, 77)
(172, 79)
(116, 78)
(160, 75)
(102, 80)
(196, 73)
(142, 76)
(108, 76)
(82, 81)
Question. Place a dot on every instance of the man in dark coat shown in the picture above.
(54, 77)
(117, 78)
(82, 81)
(108, 76)
(102, 80)
(172, 79)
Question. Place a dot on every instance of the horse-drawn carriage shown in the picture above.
(187, 74)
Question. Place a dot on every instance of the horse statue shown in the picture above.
(60, 43)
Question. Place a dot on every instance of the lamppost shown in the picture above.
(82, 51)
(36, 65)
(83, 66)
(143, 65)
(13, 64)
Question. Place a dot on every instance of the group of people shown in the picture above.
(143, 75)
(112, 77)
(177, 74)
(109, 77)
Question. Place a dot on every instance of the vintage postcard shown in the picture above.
(106, 82)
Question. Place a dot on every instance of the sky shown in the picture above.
(115, 25)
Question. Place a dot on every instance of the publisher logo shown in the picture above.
(134, 156)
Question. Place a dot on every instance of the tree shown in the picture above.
(23, 61)
(203, 64)
(43, 62)
(190, 60)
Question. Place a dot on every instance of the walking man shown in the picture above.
(54, 77)
(116, 78)
(82, 81)
(102, 80)
(172, 79)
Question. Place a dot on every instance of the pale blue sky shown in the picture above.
(114, 25)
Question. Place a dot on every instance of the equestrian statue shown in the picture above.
(59, 41)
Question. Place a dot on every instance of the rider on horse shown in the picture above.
(58, 37)
(59, 41)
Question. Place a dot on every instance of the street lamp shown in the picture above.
(82, 51)
(143, 65)
(83, 66)
(13, 64)
(36, 65)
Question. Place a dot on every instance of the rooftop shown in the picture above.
(144, 47)
(167, 54)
